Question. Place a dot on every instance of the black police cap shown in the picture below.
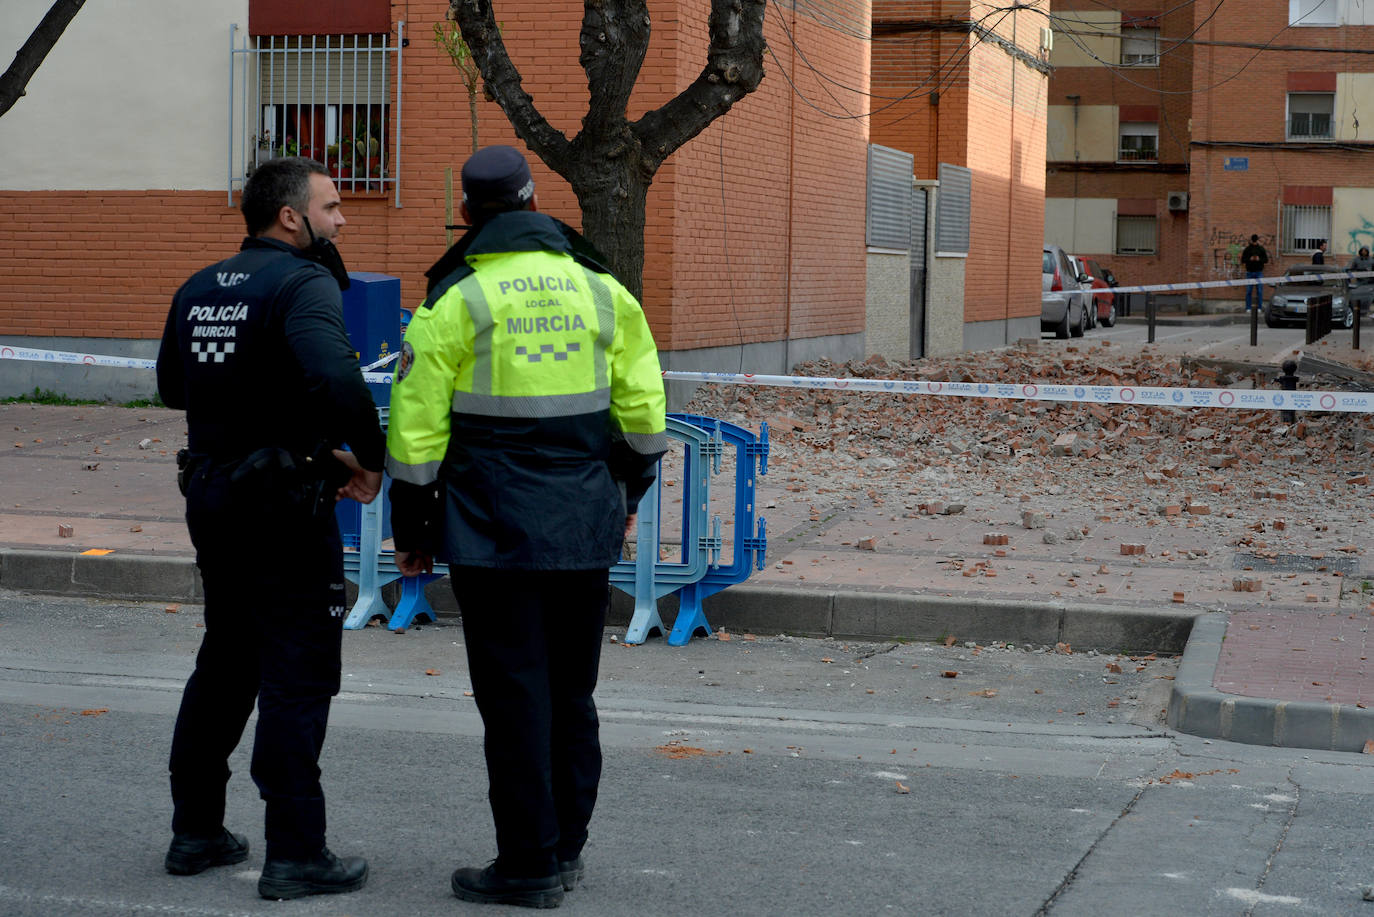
(497, 178)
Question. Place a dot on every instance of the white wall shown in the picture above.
(134, 95)
(1352, 220)
(1356, 12)
(1090, 226)
(1354, 97)
(1086, 38)
(1098, 133)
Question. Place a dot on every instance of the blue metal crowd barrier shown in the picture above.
(364, 527)
(699, 572)
(694, 575)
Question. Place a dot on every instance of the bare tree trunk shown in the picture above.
(612, 161)
(32, 54)
(612, 192)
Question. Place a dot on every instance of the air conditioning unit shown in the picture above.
(1178, 200)
(1046, 38)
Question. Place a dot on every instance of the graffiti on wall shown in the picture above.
(1362, 236)
(1226, 247)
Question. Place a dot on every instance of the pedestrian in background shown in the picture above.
(527, 420)
(256, 353)
(1361, 288)
(1319, 256)
(1254, 258)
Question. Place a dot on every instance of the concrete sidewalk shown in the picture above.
(1293, 672)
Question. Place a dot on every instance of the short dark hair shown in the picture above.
(277, 183)
(1254, 237)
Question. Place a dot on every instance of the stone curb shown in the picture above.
(138, 577)
(744, 608)
(1197, 708)
(903, 616)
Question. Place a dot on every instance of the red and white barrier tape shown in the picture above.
(1216, 284)
(1245, 399)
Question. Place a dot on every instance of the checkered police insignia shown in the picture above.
(406, 362)
(547, 350)
(205, 350)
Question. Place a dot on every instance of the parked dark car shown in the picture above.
(1063, 304)
(1290, 300)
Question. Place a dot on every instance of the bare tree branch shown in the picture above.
(503, 83)
(611, 163)
(734, 68)
(613, 41)
(31, 55)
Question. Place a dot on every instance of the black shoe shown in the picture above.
(489, 887)
(193, 853)
(325, 874)
(570, 873)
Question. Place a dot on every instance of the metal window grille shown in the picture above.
(333, 98)
(1135, 235)
(1309, 114)
(889, 197)
(1303, 227)
(1139, 142)
(953, 207)
(1140, 47)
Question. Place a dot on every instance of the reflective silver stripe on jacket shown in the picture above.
(482, 324)
(647, 443)
(605, 323)
(412, 474)
(531, 406)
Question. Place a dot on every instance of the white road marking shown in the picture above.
(1252, 897)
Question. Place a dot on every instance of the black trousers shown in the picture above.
(534, 650)
(274, 607)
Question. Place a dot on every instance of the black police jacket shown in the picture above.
(255, 351)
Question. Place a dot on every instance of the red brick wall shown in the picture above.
(1164, 88)
(1006, 151)
(795, 238)
(1228, 206)
(966, 108)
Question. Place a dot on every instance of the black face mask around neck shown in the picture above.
(324, 253)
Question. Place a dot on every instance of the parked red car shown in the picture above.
(1104, 300)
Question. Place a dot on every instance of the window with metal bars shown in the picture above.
(1304, 226)
(331, 98)
(1309, 115)
(1136, 235)
(1139, 142)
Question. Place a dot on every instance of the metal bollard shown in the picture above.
(1355, 332)
(1150, 317)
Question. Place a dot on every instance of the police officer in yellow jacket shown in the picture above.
(527, 420)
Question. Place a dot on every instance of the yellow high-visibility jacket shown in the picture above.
(528, 403)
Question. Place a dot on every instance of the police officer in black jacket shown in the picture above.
(256, 353)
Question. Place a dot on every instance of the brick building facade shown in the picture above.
(1178, 132)
(119, 165)
(964, 83)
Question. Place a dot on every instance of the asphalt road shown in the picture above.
(770, 775)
